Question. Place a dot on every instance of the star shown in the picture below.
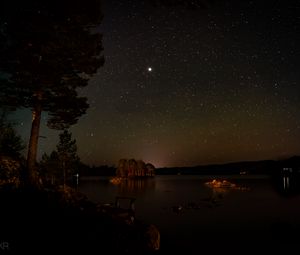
(209, 97)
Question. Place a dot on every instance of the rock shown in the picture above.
(177, 208)
(152, 237)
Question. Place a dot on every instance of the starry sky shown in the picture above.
(183, 86)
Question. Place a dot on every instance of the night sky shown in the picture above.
(182, 87)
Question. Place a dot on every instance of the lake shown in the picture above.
(249, 217)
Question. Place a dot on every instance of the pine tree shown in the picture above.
(47, 51)
(11, 144)
(50, 169)
(11, 147)
(67, 155)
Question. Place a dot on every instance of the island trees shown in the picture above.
(134, 168)
(48, 51)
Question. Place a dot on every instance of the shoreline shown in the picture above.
(200, 176)
(36, 221)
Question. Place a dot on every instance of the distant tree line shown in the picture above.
(267, 167)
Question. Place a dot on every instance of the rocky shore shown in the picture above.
(61, 220)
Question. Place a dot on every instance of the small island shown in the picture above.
(134, 168)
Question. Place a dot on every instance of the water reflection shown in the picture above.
(134, 185)
(219, 188)
(288, 181)
(193, 215)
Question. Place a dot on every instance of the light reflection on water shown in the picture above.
(188, 212)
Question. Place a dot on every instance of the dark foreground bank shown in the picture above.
(51, 221)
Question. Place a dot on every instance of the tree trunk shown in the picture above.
(32, 177)
(64, 169)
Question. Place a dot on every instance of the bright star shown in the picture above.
(149, 69)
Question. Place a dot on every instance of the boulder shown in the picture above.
(152, 237)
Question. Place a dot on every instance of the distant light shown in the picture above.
(149, 69)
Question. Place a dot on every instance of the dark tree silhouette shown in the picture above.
(11, 147)
(63, 162)
(50, 168)
(67, 154)
(48, 50)
(11, 144)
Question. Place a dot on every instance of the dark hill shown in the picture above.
(269, 167)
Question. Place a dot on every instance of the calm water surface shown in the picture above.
(192, 216)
